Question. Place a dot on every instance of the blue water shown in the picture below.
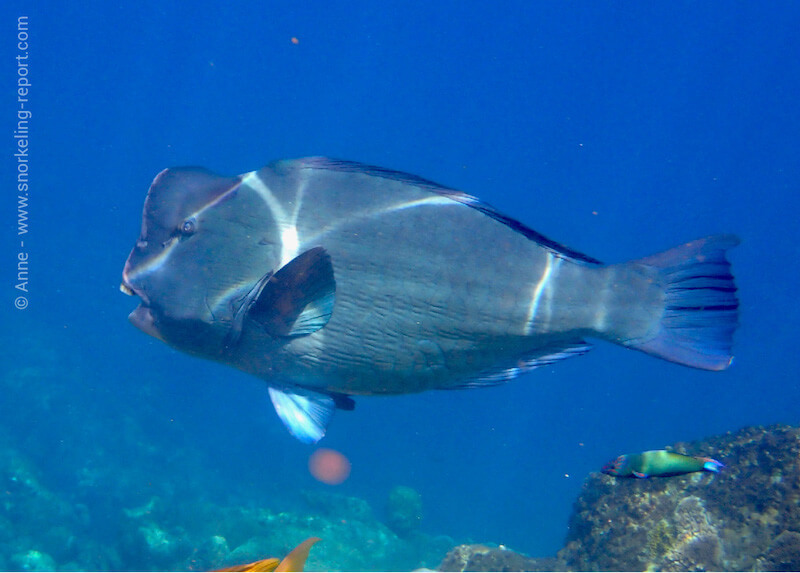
(619, 130)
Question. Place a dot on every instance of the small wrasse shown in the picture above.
(295, 561)
(659, 463)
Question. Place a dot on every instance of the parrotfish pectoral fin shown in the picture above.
(640, 475)
(299, 298)
(700, 305)
(712, 465)
(306, 415)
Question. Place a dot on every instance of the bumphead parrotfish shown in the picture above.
(329, 279)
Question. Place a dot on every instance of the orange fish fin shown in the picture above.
(296, 560)
(262, 565)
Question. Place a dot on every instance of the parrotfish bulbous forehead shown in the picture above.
(175, 198)
(179, 192)
(194, 260)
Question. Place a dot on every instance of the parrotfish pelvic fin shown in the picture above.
(640, 475)
(306, 415)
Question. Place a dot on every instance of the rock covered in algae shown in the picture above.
(33, 560)
(138, 499)
(483, 558)
(403, 510)
(783, 554)
(745, 518)
(351, 538)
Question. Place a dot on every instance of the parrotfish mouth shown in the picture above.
(126, 288)
(141, 317)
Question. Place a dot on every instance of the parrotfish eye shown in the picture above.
(188, 227)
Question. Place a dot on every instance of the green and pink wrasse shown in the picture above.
(660, 463)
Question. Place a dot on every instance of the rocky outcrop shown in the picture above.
(483, 558)
(746, 517)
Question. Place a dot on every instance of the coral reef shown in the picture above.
(746, 517)
(122, 493)
(404, 510)
(483, 558)
(39, 528)
(42, 532)
(352, 539)
(783, 554)
(135, 499)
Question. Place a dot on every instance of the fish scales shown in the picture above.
(329, 279)
(384, 255)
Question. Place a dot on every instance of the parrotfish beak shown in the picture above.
(142, 318)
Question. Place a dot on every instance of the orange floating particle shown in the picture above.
(329, 466)
(295, 41)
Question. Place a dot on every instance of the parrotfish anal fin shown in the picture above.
(299, 298)
(640, 475)
(305, 415)
(506, 372)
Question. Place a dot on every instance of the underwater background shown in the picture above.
(619, 129)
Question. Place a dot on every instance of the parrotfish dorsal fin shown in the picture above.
(455, 195)
(306, 415)
(298, 299)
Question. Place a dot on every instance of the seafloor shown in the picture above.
(746, 518)
(68, 501)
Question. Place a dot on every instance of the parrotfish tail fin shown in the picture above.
(712, 465)
(700, 305)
